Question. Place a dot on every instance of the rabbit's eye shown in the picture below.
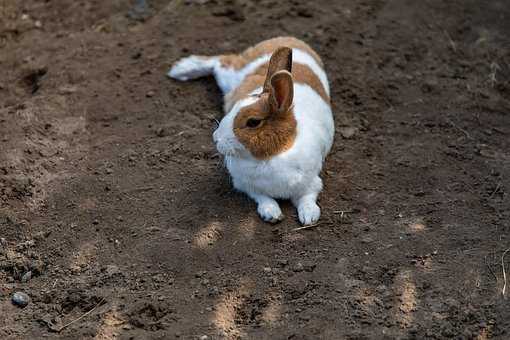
(253, 122)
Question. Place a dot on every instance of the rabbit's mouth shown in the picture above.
(228, 148)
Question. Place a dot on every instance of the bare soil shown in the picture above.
(114, 199)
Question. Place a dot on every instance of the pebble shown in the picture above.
(204, 337)
(348, 132)
(298, 267)
(161, 132)
(26, 277)
(112, 270)
(282, 263)
(20, 299)
(200, 274)
(309, 266)
(367, 239)
(150, 94)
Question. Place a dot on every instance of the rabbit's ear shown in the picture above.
(281, 93)
(280, 60)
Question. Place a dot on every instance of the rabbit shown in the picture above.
(278, 125)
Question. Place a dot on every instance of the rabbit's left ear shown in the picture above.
(281, 93)
(281, 60)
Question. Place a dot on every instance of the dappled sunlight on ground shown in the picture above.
(226, 309)
(407, 299)
(272, 314)
(111, 325)
(208, 235)
(417, 226)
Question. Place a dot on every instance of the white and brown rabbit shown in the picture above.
(278, 125)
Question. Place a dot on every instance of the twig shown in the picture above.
(503, 291)
(310, 226)
(490, 269)
(492, 76)
(353, 211)
(495, 190)
(343, 212)
(452, 43)
(460, 129)
(81, 317)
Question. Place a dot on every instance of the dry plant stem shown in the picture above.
(81, 317)
(490, 269)
(503, 291)
(310, 226)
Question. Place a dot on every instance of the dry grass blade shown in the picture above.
(310, 226)
(490, 269)
(81, 317)
(503, 291)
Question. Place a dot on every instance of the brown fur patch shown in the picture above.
(281, 59)
(267, 47)
(268, 126)
(276, 133)
(249, 84)
(302, 74)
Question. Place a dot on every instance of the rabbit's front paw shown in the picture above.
(309, 213)
(270, 211)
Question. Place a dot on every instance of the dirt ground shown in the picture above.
(114, 199)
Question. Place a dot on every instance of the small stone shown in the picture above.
(348, 132)
(161, 132)
(37, 267)
(150, 94)
(267, 270)
(367, 239)
(67, 89)
(213, 291)
(3, 241)
(20, 299)
(282, 263)
(204, 337)
(298, 267)
(112, 270)
(25, 245)
(200, 274)
(38, 24)
(26, 277)
(42, 235)
(309, 266)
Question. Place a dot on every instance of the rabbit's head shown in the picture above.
(262, 125)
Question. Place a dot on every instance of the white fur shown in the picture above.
(228, 79)
(293, 174)
(193, 67)
(301, 57)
